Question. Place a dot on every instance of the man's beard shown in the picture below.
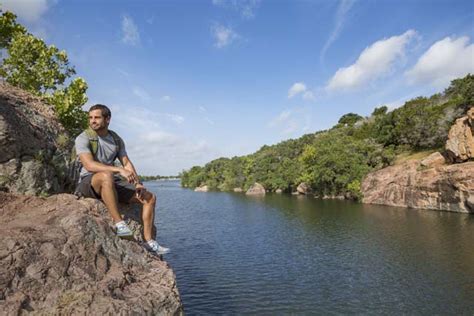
(98, 127)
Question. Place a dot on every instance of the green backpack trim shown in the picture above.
(75, 163)
(94, 143)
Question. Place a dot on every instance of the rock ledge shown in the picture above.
(59, 255)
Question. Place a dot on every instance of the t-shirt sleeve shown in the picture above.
(82, 144)
(122, 152)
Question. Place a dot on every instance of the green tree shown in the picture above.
(43, 70)
(9, 28)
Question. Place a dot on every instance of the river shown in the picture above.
(282, 254)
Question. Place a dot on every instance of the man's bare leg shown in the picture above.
(103, 184)
(148, 213)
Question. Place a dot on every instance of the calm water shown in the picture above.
(285, 254)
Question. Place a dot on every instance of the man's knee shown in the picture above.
(103, 179)
(150, 198)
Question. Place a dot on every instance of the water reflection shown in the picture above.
(296, 254)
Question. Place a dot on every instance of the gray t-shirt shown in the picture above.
(106, 150)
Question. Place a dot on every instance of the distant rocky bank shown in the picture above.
(59, 255)
(437, 187)
(439, 182)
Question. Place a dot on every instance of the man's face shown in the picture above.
(97, 121)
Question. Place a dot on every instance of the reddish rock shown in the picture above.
(303, 188)
(460, 143)
(448, 187)
(32, 142)
(256, 189)
(60, 256)
(433, 160)
(202, 188)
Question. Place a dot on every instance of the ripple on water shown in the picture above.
(281, 254)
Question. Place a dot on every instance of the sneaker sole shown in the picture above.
(127, 237)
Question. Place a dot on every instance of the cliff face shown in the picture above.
(59, 255)
(439, 187)
(32, 160)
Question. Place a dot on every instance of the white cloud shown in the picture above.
(296, 88)
(291, 122)
(282, 117)
(165, 98)
(150, 145)
(300, 88)
(308, 95)
(375, 61)
(342, 10)
(246, 8)
(176, 118)
(130, 33)
(202, 109)
(141, 93)
(444, 61)
(123, 72)
(224, 36)
(29, 10)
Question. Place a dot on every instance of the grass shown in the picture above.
(412, 155)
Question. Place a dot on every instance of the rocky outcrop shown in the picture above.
(32, 142)
(433, 160)
(460, 143)
(279, 191)
(441, 187)
(303, 188)
(202, 188)
(238, 190)
(256, 189)
(60, 256)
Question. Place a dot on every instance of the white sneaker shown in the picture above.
(154, 247)
(123, 231)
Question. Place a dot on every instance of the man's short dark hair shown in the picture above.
(103, 109)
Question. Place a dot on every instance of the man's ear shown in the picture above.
(107, 120)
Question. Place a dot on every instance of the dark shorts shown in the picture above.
(125, 190)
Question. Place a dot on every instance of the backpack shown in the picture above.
(75, 165)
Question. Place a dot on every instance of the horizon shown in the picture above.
(183, 78)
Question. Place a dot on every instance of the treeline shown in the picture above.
(157, 177)
(334, 162)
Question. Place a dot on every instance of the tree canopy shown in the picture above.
(335, 161)
(29, 63)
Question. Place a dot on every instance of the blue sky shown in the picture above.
(191, 81)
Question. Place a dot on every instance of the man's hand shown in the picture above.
(130, 176)
(140, 191)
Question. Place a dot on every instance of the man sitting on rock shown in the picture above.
(97, 148)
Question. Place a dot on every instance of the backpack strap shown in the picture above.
(93, 140)
(117, 141)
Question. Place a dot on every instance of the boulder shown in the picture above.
(238, 190)
(33, 144)
(433, 160)
(60, 256)
(445, 187)
(460, 143)
(202, 188)
(303, 188)
(278, 191)
(256, 189)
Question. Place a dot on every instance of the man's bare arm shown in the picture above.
(128, 165)
(91, 165)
